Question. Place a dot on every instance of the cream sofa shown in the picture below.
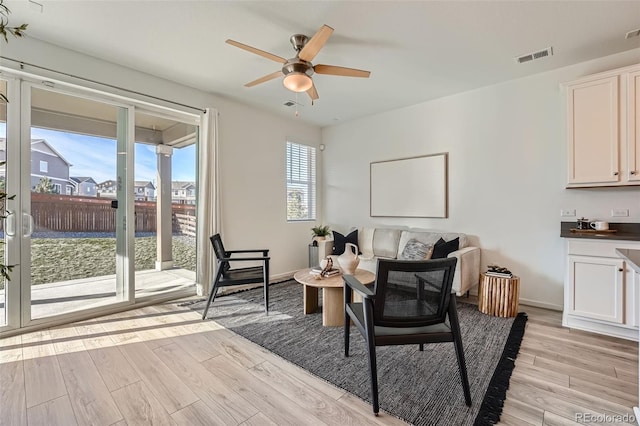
(388, 243)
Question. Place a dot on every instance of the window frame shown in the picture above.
(301, 161)
(44, 166)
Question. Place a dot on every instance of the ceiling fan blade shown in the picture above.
(315, 43)
(263, 79)
(257, 51)
(313, 93)
(345, 72)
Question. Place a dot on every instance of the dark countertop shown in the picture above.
(632, 257)
(626, 231)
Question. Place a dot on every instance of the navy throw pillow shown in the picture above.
(340, 240)
(443, 248)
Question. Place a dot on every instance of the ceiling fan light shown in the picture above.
(298, 82)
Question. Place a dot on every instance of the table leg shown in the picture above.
(310, 296)
(332, 306)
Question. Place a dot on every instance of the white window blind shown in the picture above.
(301, 182)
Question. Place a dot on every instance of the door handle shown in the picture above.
(10, 224)
(27, 225)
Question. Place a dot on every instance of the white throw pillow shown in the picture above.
(416, 250)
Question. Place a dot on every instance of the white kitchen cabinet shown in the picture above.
(633, 126)
(602, 129)
(596, 288)
(632, 308)
(601, 289)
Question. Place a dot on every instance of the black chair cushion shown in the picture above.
(358, 311)
(241, 275)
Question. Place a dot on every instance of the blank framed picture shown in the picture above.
(410, 187)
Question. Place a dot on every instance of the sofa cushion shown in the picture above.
(442, 248)
(431, 236)
(365, 237)
(340, 240)
(424, 237)
(416, 250)
(385, 242)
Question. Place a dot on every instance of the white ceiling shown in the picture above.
(416, 51)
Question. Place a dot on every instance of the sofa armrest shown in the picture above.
(467, 269)
(325, 247)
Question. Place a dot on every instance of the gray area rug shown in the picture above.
(422, 388)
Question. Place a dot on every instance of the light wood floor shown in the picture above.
(163, 365)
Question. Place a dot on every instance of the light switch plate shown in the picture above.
(619, 212)
(568, 213)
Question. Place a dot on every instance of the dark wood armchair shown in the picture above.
(227, 276)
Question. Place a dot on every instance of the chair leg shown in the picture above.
(214, 290)
(457, 339)
(347, 332)
(265, 271)
(371, 348)
(212, 297)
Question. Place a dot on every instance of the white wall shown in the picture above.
(252, 151)
(507, 171)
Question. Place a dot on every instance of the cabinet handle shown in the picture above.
(633, 172)
(615, 173)
(620, 269)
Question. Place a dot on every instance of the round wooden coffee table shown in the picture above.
(332, 294)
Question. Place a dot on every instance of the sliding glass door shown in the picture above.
(74, 242)
(103, 203)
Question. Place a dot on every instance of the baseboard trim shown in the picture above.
(282, 277)
(544, 305)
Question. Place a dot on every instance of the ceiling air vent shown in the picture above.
(291, 103)
(535, 55)
(631, 34)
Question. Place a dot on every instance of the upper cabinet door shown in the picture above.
(633, 126)
(593, 131)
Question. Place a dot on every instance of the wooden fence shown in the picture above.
(68, 213)
(186, 224)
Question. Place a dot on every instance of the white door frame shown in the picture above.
(124, 245)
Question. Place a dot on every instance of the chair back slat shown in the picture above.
(413, 293)
(219, 250)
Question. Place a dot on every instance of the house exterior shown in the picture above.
(144, 191)
(84, 186)
(183, 192)
(107, 189)
(46, 162)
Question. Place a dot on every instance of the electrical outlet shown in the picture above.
(568, 213)
(619, 212)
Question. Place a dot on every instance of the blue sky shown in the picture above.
(96, 157)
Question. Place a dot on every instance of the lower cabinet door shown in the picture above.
(596, 288)
(632, 298)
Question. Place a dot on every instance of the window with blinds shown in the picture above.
(301, 182)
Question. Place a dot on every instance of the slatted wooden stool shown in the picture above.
(498, 296)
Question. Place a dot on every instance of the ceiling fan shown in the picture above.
(297, 71)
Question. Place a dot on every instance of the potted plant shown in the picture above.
(320, 232)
